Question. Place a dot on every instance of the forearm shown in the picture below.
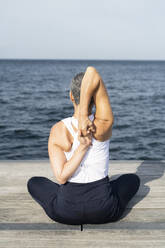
(89, 85)
(72, 164)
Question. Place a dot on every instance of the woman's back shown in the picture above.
(95, 164)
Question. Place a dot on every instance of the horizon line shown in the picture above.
(82, 59)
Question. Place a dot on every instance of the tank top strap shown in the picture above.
(67, 122)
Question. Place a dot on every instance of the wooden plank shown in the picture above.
(35, 214)
(82, 243)
(94, 234)
(88, 238)
(31, 168)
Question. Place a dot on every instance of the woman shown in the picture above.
(78, 149)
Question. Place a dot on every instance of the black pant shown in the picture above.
(95, 202)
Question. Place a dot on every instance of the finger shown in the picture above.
(84, 132)
(88, 131)
(90, 124)
(89, 134)
(80, 133)
(93, 127)
(91, 130)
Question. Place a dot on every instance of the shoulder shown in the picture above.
(59, 135)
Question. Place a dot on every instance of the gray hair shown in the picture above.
(75, 87)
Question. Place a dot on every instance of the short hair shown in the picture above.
(76, 87)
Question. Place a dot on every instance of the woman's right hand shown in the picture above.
(85, 125)
(85, 141)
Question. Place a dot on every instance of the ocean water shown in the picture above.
(34, 95)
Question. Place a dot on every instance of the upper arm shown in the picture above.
(104, 118)
(56, 153)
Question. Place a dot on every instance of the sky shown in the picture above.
(82, 29)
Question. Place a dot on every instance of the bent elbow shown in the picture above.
(93, 72)
(61, 180)
(91, 69)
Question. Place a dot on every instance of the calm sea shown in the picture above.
(34, 95)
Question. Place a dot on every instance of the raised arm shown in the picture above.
(93, 85)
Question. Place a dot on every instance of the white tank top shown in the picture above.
(95, 164)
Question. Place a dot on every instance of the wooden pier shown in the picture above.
(23, 222)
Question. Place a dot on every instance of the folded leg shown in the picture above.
(44, 191)
(125, 186)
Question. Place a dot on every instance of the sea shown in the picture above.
(34, 95)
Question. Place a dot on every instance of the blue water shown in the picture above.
(34, 95)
